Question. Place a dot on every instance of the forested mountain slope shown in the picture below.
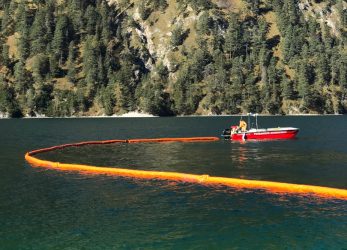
(172, 57)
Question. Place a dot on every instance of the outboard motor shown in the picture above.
(226, 133)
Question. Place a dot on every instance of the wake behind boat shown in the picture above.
(242, 133)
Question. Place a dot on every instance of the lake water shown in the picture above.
(48, 209)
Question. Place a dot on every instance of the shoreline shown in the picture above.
(146, 115)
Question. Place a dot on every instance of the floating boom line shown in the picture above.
(268, 186)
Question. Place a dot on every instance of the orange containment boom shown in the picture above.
(269, 186)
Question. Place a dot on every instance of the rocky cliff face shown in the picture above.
(154, 33)
(325, 13)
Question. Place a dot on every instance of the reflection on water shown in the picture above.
(275, 161)
(240, 155)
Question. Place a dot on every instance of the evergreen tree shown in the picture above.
(8, 101)
(4, 96)
(22, 28)
(21, 16)
(90, 65)
(204, 24)
(180, 92)
(237, 81)
(106, 15)
(287, 88)
(21, 77)
(40, 67)
(38, 33)
(43, 98)
(233, 41)
(253, 6)
(102, 77)
(1, 46)
(291, 10)
(323, 70)
(303, 83)
(6, 20)
(198, 5)
(107, 99)
(335, 56)
(343, 76)
(23, 43)
(61, 39)
(5, 55)
(72, 71)
(153, 98)
(49, 20)
(54, 65)
(91, 18)
(177, 36)
(76, 13)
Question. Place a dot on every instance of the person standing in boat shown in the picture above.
(243, 125)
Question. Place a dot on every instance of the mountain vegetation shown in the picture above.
(172, 57)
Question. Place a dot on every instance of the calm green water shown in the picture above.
(46, 209)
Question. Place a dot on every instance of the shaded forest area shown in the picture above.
(77, 57)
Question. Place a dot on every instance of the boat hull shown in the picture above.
(278, 134)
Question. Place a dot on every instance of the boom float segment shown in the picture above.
(269, 186)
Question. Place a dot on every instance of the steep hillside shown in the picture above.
(172, 57)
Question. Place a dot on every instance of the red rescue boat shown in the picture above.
(242, 133)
